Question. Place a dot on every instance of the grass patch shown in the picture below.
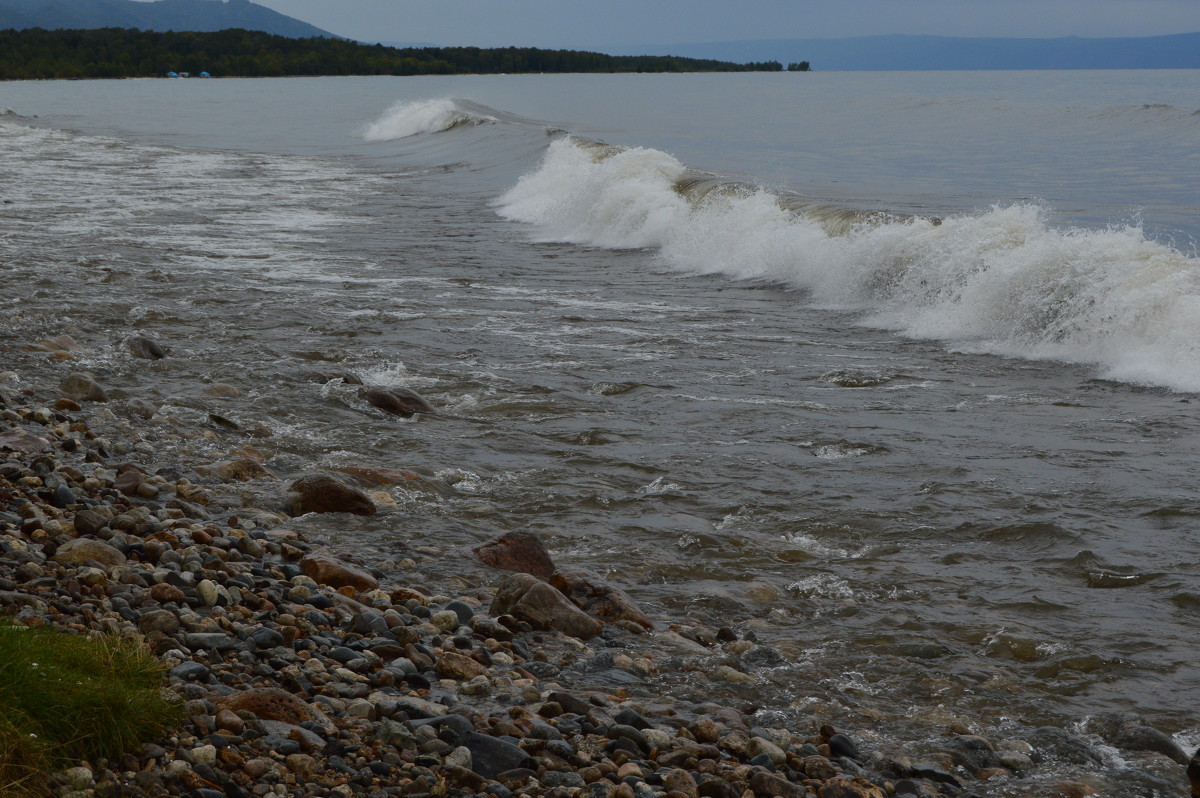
(66, 698)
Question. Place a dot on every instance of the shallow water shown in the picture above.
(943, 459)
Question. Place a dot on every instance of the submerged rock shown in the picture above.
(83, 386)
(1131, 732)
(397, 401)
(145, 348)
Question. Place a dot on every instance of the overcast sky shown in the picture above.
(593, 24)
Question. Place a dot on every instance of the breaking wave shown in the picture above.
(414, 117)
(1003, 281)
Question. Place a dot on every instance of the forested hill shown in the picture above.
(123, 53)
(163, 15)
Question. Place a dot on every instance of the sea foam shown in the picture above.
(1002, 281)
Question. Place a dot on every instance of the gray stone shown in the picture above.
(163, 621)
(207, 641)
(83, 387)
(191, 671)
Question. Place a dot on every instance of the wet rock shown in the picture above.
(973, 753)
(397, 401)
(571, 703)
(129, 479)
(328, 570)
(533, 601)
(598, 598)
(269, 703)
(145, 348)
(321, 493)
(15, 440)
(222, 390)
(491, 756)
(242, 469)
(1053, 743)
(842, 746)
(522, 552)
(1131, 732)
(75, 552)
(83, 386)
(1193, 774)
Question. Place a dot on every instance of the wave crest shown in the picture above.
(414, 117)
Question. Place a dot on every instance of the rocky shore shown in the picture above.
(304, 670)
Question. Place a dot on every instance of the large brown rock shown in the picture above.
(321, 493)
(75, 552)
(522, 552)
(242, 469)
(598, 598)
(452, 665)
(768, 784)
(129, 479)
(326, 569)
(16, 440)
(269, 703)
(527, 598)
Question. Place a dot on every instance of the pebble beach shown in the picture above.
(307, 669)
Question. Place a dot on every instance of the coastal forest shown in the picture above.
(37, 53)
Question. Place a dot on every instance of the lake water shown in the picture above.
(897, 371)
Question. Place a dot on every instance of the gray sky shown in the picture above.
(592, 24)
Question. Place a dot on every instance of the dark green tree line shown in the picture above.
(123, 53)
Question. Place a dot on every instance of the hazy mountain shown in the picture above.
(164, 15)
(939, 52)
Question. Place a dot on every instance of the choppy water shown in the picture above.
(895, 370)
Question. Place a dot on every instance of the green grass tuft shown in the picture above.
(66, 698)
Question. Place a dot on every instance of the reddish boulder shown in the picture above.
(599, 598)
(377, 475)
(328, 570)
(522, 552)
(526, 598)
(129, 479)
(321, 493)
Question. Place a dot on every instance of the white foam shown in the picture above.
(414, 117)
(1002, 281)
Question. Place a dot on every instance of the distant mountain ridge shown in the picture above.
(1181, 51)
(164, 15)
